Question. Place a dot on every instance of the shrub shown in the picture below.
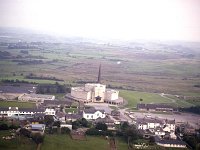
(65, 130)
(4, 126)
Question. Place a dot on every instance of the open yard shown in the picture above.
(71, 110)
(16, 104)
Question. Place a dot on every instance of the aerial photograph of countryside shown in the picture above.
(99, 74)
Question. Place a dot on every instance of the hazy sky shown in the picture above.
(117, 19)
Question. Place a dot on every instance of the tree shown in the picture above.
(101, 126)
(124, 126)
(151, 140)
(75, 125)
(65, 130)
(57, 123)
(48, 119)
(3, 126)
(130, 133)
(25, 132)
(38, 139)
(84, 122)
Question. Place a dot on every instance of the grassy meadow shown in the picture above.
(133, 97)
(63, 142)
(16, 104)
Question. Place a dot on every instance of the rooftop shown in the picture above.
(149, 120)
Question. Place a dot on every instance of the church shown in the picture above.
(96, 93)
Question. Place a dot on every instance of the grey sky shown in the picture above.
(121, 19)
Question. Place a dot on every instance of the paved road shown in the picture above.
(192, 119)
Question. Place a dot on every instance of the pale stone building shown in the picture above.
(95, 92)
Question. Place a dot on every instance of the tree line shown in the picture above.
(53, 88)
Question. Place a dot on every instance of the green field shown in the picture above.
(15, 144)
(133, 98)
(59, 142)
(16, 104)
(72, 110)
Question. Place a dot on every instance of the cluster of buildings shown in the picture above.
(163, 131)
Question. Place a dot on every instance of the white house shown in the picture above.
(50, 111)
(93, 114)
(157, 126)
(148, 123)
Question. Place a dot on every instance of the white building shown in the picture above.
(15, 111)
(157, 126)
(93, 114)
(148, 123)
(95, 92)
(40, 98)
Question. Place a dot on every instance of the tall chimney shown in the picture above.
(99, 75)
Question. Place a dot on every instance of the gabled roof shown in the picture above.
(148, 120)
(3, 109)
(73, 116)
(178, 142)
(93, 110)
(104, 120)
(31, 110)
(170, 121)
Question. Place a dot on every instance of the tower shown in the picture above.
(99, 75)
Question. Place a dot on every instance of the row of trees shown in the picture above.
(52, 88)
(33, 76)
(80, 123)
(99, 129)
(193, 141)
(193, 109)
(16, 81)
(4, 126)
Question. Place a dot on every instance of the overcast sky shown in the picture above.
(117, 19)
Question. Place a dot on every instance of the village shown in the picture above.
(95, 110)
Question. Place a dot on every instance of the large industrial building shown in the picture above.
(96, 92)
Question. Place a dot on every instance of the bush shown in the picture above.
(25, 132)
(37, 138)
(101, 126)
(93, 131)
(4, 126)
(65, 130)
(13, 127)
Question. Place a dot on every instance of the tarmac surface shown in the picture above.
(192, 119)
